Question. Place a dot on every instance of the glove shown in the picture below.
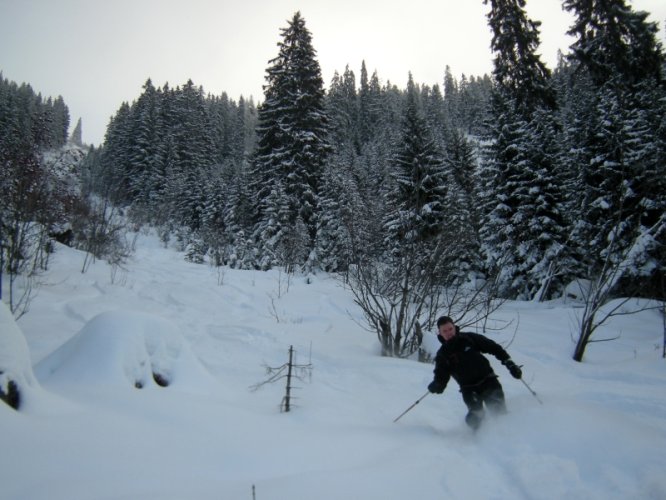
(436, 387)
(513, 368)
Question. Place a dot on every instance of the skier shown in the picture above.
(461, 357)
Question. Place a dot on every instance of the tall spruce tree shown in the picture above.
(523, 229)
(368, 103)
(463, 217)
(238, 220)
(292, 136)
(115, 182)
(416, 210)
(76, 136)
(145, 149)
(622, 174)
(614, 43)
(343, 110)
(195, 151)
(517, 68)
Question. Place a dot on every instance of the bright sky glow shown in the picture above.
(97, 54)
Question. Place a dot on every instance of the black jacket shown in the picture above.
(462, 358)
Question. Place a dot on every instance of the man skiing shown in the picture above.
(461, 357)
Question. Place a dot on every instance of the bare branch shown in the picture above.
(615, 265)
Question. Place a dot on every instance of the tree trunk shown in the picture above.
(287, 397)
(386, 339)
(585, 334)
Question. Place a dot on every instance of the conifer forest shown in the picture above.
(516, 183)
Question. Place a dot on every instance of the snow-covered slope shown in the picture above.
(90, 434)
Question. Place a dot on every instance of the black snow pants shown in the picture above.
(488, 392)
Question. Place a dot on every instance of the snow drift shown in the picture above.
(126, 349)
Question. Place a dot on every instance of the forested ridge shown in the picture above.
(528, 178)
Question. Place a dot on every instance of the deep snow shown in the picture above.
(86, 432)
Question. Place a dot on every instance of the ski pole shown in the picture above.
(417, 402)
(530, 389)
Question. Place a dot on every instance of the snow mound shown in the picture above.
(577, 290)
(17, 380)
(126, 349)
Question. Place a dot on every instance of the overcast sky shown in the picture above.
(99, 53)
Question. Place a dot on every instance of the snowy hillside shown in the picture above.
(87, 431)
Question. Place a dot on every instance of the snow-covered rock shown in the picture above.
(17, 379)
(126, 349)
(577, 290)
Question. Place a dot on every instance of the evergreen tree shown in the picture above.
(145, 150)
(342, 105)
(372, 106)
(474, 97)
(416, 200)
(60, 126)
(384, 109)
(292, 133)
(247, 117)
(432, 102)
(523, 231)
(621, 177)
(115, 185)
(451, 99)
(365, 106)
(195, 153)
(76, 137)
(169, 155)
(463, 217)
(238, 210)
(614, 43)
(517, 68)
